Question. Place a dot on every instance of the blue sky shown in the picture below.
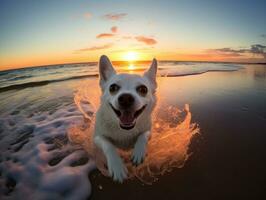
(46, 32)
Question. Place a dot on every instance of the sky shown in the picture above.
(34, 33)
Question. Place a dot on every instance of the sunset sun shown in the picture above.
(131, 56)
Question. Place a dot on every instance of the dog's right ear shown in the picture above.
(106, 69)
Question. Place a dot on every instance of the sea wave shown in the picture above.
(41, 83)
(39, 76)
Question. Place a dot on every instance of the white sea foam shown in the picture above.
(37, 161)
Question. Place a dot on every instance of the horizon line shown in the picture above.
(136, 61)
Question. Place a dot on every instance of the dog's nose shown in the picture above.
(126, 100)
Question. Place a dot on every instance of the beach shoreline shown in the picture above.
(226, 160)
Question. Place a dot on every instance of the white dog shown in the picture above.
(124, 116)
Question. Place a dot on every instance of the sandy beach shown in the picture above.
(227, 160)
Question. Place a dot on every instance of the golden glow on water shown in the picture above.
(167, 148)
(131, 67)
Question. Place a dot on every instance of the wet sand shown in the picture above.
(228, 160)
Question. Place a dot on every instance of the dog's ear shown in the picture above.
(106, 69)
(151, 72)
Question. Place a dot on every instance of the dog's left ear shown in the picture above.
(106, 69)
(151, 72)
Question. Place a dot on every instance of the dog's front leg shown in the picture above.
(115, 164)
(139, 150)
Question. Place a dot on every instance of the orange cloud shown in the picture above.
(87, 15)
(114, 29)
(105, 35)
(115, 16)
(94, 48)
(146, 40)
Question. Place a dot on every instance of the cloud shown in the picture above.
(115, 16)
(146, 40)
(87, 15)
(127, 37)
(230, 50)
(257, 49)
(263, 35)
(114, 29)
(105, 35)
(94, 48)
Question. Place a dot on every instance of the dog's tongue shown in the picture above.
(127, 117)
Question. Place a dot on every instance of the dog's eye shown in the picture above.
(113, 88)
(142, 90)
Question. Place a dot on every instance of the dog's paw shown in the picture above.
(138, 154)
(116, 168)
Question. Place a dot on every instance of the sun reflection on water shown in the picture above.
(131, 67)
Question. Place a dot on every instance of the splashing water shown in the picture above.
(167, 149)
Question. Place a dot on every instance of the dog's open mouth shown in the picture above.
(127, 118)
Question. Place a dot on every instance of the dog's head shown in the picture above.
(127, 96)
